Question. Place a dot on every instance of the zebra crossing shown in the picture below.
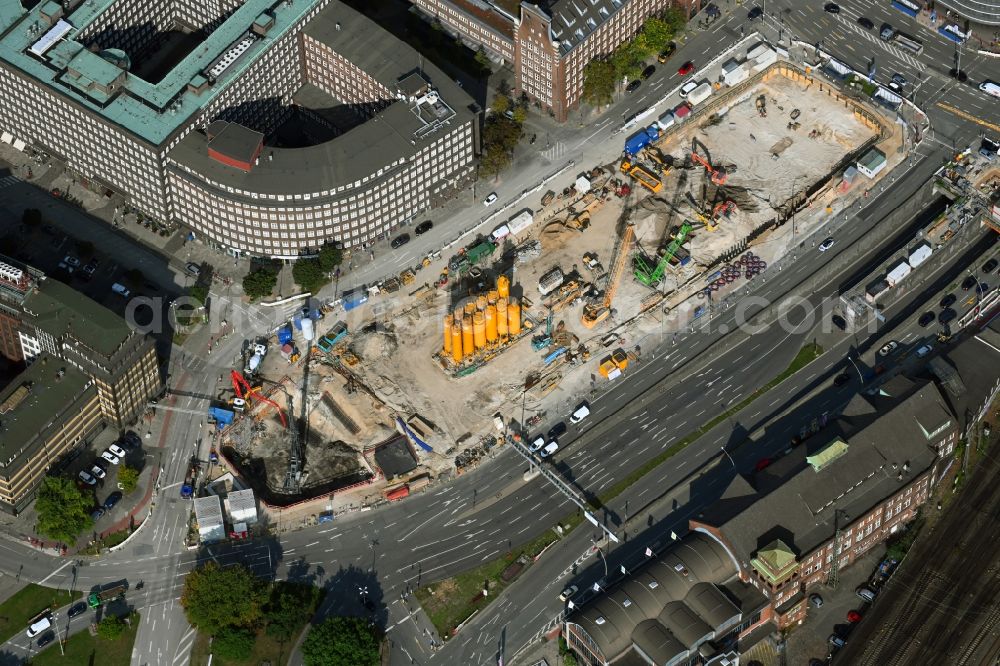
(7, 181)
(555, 151)
(848, 22)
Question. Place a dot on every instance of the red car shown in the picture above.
(853, 617)
(762, 464)
(686, 68)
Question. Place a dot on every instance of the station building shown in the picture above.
(204, 140)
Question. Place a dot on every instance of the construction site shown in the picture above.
(421, 375)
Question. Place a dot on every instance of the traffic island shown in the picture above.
(88, 647)
(17, 612)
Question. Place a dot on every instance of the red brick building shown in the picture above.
(848, 489)
(548, 42)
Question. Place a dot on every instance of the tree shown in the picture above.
(260, 283)
(341, 641)
(31, 217)
(656, 33)
(501, 104)
(215, 598)
(494, 160)
(308, 275)
(626, 64)
(128, 478)
(520, 114)
(598, 82)
(110, 628)
(675, 18)
(289, 608)
(482, 59)
(63, 509)
(233, 643)
(330, 256)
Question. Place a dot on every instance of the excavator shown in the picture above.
(718, 175)
(245, 391)
(651, 275)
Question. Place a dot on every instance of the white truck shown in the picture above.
(513, 226)
(700, 94)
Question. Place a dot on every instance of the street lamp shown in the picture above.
(603, 559)
(860, 376)
(723, 449)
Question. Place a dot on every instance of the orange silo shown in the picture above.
(502, 318)
(470, 307)
(491, 297)
(491, 324)
(514, 317)
(503, 287)
(447, 333)
(456, 341)
(481, 302)
(468, 348)
(479, 329)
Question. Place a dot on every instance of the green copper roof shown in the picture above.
(151, 111)
(775, 561)
(827, 454)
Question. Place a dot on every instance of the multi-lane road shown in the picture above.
(482, 514)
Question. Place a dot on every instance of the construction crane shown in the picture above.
(718, 175)
(245, 391)
(595, 313)
(650, 275)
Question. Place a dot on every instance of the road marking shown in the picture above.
(65, 564)
(967, 116)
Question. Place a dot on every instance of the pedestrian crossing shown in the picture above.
(7, 181)
(849, 24)
(555, 151)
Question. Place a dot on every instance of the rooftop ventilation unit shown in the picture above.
(49, 39)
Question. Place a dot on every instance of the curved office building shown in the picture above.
(285, 125)
(986, 12)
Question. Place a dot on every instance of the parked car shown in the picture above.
(110, 457)
(490, 199)
(39, 625)
(79, 608)
(925, 350)
(633, 86)
(755, 13)
(98, 471)
(982, 288)
(899, 79)
(840, 322)
(989, 266)
(582, 412)
(70, 260)
(400, 241)
(423, 227)
(865, 23)
(946, 315)
(853, 617)
(131, 440)
(866, 594)
(826, 244)
(816, 600)
(96, 514)
(841, 379)
(666, 53)
(926, 318)
(947, 300)
(888, 348)
(969, 282)
(687, 88)
(112, 500)
(549, 449)
(117, 450)
(537, 444)
(46, 638)
(87, 478)
(193, 268)
(568, 593)
(836, 641)
(648, 72)
(558, 430)
(686, 68)
(763, 464)
(831, 7)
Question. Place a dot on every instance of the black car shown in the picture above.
(865, 23)
(946, 315)
(46, 638)
(982, 288)
(969, 282)
(632, 87)
(839, 322)
(926, 318)
(557, 430)
(131, 439)
(423, 227)
(648, 72)
(79, 608)
(755, 13)
(990, 266)
(400, 241)
(112, 499)
(831, 7)
(947, 300)
(96, 514)
(958, 74)
(842, 379)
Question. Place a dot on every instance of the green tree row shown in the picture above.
(501, 135)
(601, 74)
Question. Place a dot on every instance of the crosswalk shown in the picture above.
(857, 30)
(555, 151)
(7, 181)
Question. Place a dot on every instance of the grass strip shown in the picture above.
(451, 601)
(82, 648)
(23, 605)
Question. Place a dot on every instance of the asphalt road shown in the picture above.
(483, 513)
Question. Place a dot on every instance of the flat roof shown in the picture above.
(151, 111)
(59, 309)
(53, 385)
(391, 135)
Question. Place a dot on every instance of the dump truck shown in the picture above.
(96, 599)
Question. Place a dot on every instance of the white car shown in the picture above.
(568, 593)
(87, 478)
(40, 625)
(117, 450)
(111, 458)
(70, 260)
(688, 87)
(98, 471)
(537, 444)
(491, 199)
(826, 245)
(888, 348)
(549, 449)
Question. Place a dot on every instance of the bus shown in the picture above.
(990, 88)
(909, 43)
(908, 7)
(954, 33)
